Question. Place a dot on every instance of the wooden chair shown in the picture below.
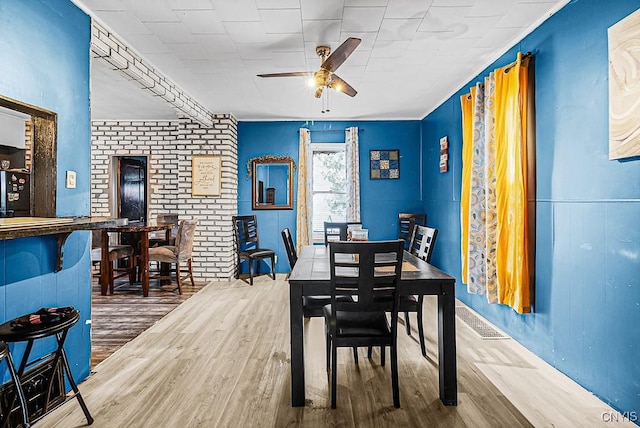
(292, 254)
(422, 243)
(178, 254)
(334, 231)
(370, 271)
(160, 238)
(248, 245)
(311, 305)
(116, 253)
(406, 222)
(337, 231)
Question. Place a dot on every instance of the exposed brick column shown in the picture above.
(169, 147)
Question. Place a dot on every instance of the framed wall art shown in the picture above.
(384, 164)
(624, 88)
(206, 175)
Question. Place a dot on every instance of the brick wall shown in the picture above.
(169, 147)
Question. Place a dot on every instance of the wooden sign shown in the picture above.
(206, 175)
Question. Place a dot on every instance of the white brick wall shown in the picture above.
(169, 147)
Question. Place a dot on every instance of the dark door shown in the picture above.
(133, 188)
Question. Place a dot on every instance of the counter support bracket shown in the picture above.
(61, 238)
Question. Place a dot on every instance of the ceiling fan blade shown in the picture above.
(340, 55)
(340, 85)
(290, 74)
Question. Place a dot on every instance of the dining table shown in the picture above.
(311, 276)
(144, 228)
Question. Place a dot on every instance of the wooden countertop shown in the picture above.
(60, 227)
(23, 227)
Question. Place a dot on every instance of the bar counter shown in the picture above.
(61, 227)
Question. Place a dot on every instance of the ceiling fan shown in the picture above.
(325, 76)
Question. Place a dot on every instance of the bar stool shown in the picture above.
(29, 333)
(4, 353)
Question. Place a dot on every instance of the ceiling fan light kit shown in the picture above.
(325, 76)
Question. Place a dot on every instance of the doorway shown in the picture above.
(132, 188)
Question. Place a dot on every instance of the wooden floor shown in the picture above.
(221, 359)
(118, 318)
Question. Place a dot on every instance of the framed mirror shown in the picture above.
(271, 182)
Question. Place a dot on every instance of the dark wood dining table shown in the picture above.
(144, 228)
(310, 276)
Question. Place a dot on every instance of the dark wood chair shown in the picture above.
(371, 272)
(334, 231)
(116, 253)
(338, 231)
(289, 246)
(311, 305)
(179, 254)
(422, 243)
(245, 229)
(165, 237)
(406, 222)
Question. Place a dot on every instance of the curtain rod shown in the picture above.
(329, 130)
(513, 64)
(508, 67)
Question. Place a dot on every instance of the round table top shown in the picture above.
(9, 333)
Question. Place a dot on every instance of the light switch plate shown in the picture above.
(71, 179)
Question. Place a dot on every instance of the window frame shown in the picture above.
(338, 146)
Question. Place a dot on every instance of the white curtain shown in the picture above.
(303, 204)
(353, 174)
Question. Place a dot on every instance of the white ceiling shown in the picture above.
(413, 56)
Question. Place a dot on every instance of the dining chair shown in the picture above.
(423, 241)
(334, 231)
(178, 254)
(289, 246)
(406, 222)
(245, 229)
(338, 231)
(369, 271)
(160, 237)
(117, 252)
(311, 305)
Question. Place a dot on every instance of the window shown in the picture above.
(329, 187)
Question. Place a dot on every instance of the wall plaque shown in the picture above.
(206, 175)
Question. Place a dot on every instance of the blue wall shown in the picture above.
(587, 291)
(381, 200)
(44, 61)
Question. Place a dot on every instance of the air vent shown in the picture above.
(479, 325)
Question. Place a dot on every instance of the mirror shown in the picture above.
(272, 182)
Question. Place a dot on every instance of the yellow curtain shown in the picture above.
(512, 261)
(466, 101)
(506, 126)
(303, 214)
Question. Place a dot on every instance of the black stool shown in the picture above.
(28, 334)
(4, 353)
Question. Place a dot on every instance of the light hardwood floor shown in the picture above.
(221, 359)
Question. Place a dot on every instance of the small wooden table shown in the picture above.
(141, 227)
(311, 276)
